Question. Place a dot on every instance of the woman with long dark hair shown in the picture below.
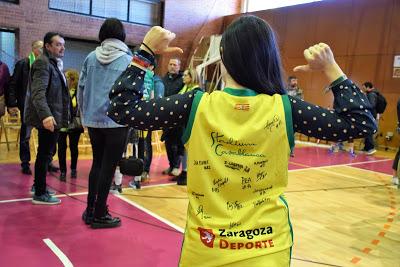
(239, 141)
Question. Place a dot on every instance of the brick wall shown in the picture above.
(189, 19)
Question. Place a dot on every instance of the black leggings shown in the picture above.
(107, 145)
(73, 147)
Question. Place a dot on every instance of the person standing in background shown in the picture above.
(100, 69)
(173, 84)
(370, 91)
(16, 101)
(73, 131)
(293, 88)
(47, 107)
(395, 166)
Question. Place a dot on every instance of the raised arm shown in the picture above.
(126, 107)
(351, 117)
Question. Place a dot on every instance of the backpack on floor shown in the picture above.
(380, 103)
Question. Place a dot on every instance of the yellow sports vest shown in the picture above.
(238, 146)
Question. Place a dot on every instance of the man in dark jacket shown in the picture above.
(173, 83)
(15, 99)
(369, 89)
(47, 107)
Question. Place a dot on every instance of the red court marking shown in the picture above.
(375, 241)
(380, 167)
(317, 157)
(366, 250)
(373, 167)
(14, 184)
(24, 226)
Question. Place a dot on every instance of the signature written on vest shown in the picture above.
(273, 124)
(203, 163)
(218, 183)
(234, 205)
(236, 166)
(228, 146)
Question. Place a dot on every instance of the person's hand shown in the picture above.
(158, 40)
(49, 123)
(13, 111)
(320, 58)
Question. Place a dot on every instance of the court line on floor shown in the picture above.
(61, 256)
(323, 169)
(382, 232)
(335, 165)
(317, 262)
(306, 168)
(75, 194)
(158, 217)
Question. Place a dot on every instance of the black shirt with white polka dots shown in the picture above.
(350, 119)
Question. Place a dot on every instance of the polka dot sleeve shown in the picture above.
(350, 119)
(127, 108)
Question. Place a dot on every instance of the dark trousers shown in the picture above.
(145, 150)
(24, 150)
(172, 148)
(47, 141)
(148, 152)
(108, 145)
(396, 160)
(73, 147)
(369, 142)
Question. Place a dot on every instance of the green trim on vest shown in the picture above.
(240, 92)
(289, 122)
(290, 224)
(189, 125)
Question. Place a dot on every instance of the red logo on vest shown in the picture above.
(245, 107)
(207, 237)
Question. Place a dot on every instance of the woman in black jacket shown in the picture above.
(73, 131)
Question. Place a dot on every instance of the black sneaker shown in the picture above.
(63, 176)
(26, 170)
(87, 215)
(52, 168)
(135, 184)
(74, 174)
(107, 221)
(182, 178)
(116, 188)
(119, 188)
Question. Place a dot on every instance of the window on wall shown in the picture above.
(256, 5)
(144, 12)
(7, 48)
(110, 8)
(76, 6)
(147, 12)
(10, 1)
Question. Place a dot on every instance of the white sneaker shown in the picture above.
(371, 151)
(175, 172)
(395, 180)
